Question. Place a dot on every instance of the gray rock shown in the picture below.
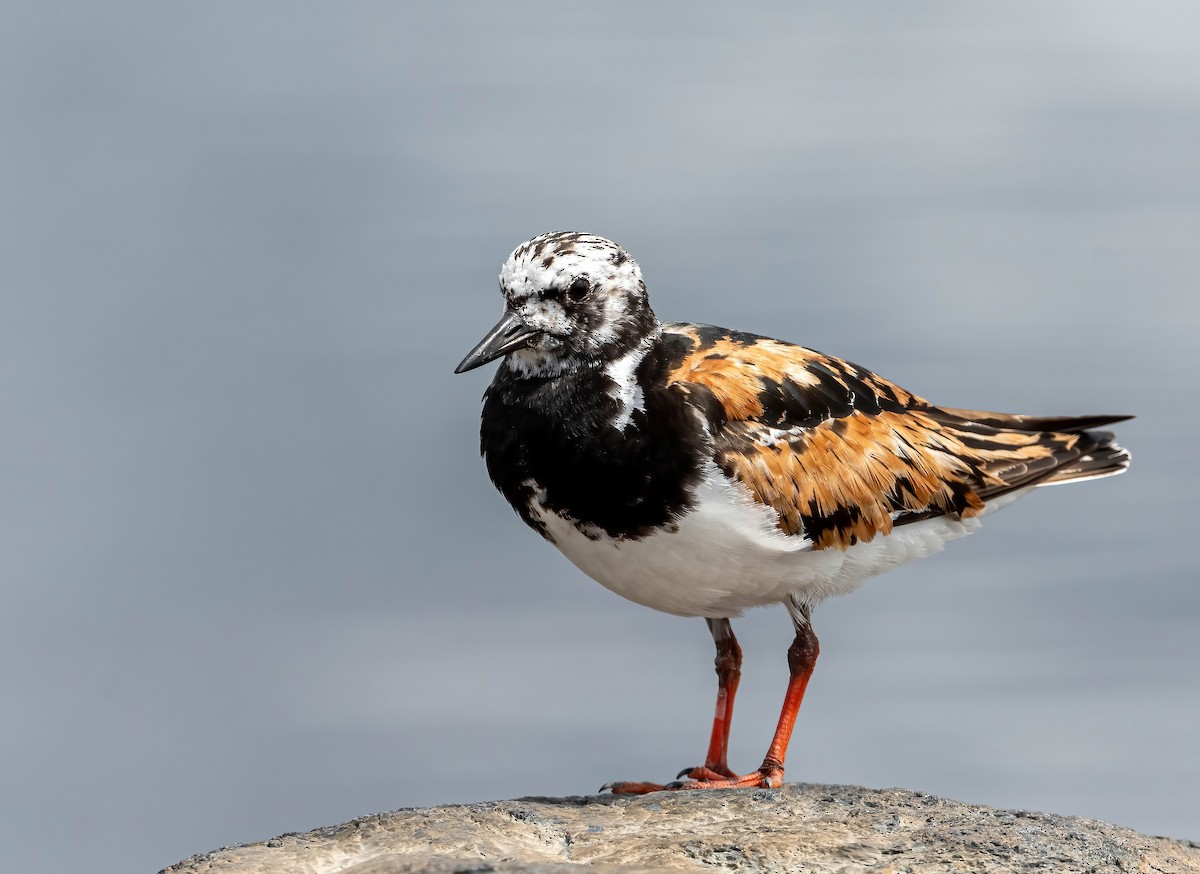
(801, 827)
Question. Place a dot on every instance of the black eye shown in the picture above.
(579, 289)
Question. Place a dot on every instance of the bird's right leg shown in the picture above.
(729, 672)
(716, 764)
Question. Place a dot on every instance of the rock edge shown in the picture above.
(801, 827)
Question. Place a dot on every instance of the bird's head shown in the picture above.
(571, 301)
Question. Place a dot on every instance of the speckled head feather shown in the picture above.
(584, 296)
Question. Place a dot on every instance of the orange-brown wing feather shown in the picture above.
(841, 454)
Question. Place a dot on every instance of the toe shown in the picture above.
(631, 787)
(705, 774)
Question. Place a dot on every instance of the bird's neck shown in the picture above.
(580, 401)
(583, 397)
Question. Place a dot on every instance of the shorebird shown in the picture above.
(701, 471)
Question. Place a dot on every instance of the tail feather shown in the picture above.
(1061, 424)
(1104, 458)
(1073, 452)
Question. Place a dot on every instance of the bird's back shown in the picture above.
(843, 455)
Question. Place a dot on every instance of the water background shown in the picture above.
(253, 576)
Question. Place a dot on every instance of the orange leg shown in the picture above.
(715, 774)
(729, 672)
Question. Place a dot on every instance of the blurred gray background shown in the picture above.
(254, 577)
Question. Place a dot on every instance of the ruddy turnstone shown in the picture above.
(701, 471)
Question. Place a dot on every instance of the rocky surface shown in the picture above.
(800, 827)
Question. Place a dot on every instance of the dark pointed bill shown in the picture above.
(509, 334)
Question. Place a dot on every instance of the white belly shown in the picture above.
(727, 554)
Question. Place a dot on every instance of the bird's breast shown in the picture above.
(590, 457)
(720, 555)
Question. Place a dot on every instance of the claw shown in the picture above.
(686, 771)
(605, 786)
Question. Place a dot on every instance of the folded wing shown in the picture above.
(843, 455)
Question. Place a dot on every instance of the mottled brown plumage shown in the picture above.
(842, 455)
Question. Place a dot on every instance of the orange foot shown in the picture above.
(702, 778)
